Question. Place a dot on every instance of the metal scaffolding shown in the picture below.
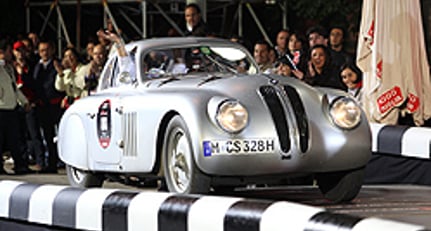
(46, 9)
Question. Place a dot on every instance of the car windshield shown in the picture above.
(201, 59)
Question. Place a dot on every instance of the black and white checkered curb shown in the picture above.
(401, 140)
(108, 209)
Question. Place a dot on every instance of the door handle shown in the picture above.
(91, 115)
(119, 110)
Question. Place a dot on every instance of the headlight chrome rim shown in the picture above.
(231, 116)
(345, 113)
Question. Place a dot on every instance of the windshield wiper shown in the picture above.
(168, 80)
(223, 66)
(211, 78)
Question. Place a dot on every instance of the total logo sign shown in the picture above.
(390, 99)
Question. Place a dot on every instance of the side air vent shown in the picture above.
(300, 115)
(129, 125)
(278, 115)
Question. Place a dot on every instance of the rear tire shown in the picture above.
(82, 179)
(180, 170)
(342, 186)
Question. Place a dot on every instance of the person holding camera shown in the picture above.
(319, 71)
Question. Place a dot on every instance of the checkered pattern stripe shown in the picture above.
(401, 140)
(108, 209)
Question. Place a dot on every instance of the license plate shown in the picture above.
(238, 146)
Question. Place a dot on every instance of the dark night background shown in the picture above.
(301, 15)
(12, 16)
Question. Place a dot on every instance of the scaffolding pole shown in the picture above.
(240, 32)
(59, 44)
(27, 18)
(132, 24)
(144, 18)
(63, 26)
(114, 23)
(78, 24)
(283, 7)
(259, 25)
(45, 22)
(170, 21)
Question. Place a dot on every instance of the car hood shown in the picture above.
(230, 84)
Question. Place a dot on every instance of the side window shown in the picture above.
(109, 74)
(157, 63)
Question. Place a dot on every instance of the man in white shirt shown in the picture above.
(261, 56)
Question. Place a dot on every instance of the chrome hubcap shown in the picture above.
(179, 161)
(77, 175)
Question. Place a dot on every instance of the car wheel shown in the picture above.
(180, 171)
(82, 179)
(341, 186)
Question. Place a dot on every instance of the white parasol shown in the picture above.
(392, 55)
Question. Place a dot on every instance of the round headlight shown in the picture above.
(232, 116)
(345, 113)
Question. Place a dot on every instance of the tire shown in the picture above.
(180, 171)
(81, 179)
(341, 186)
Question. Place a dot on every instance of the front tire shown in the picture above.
(342, 186)
(81, 179)
(180, 170)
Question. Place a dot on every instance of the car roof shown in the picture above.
(152, 43)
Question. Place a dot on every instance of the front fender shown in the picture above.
(72, 141)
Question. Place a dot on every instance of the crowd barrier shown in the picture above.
(25, 206)
(401, 140)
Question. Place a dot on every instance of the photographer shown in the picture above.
(284, 66)
(284, 70)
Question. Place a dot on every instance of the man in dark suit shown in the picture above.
(48, 101)
(195, 26)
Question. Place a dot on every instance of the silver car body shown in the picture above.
(119, 129)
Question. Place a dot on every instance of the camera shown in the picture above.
(285, 59)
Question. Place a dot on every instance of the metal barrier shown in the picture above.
(25, 206)
(401, 140)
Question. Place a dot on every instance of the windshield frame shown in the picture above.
(162, 48)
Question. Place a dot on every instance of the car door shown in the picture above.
(106, 139)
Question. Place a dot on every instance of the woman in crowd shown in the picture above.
(352, 78)
(72, 79)
(294, 58)
(297, 46)
(319, 71)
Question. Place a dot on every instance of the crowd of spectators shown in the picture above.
(36, 87)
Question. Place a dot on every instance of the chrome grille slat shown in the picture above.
(129, 125)
(275, 106)
(300, 116)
